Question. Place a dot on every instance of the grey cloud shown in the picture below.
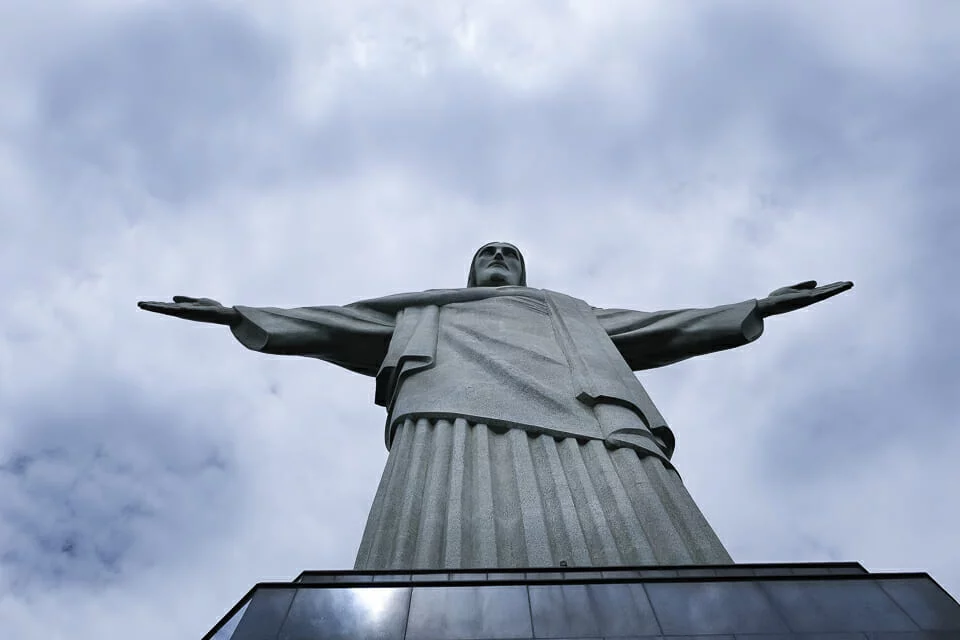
(171, 86)
(821, 119)
(162, 97)
(104, 482)
(901, 403)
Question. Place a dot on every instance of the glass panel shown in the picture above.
(736, 572)
(312, 578)
(629, 574)
(264, 615)
(502, 576)
(773, 571)
(847, 570)
(467, 577)
(659, 573)
(696, 572)
(623, 609)
(925, 602)
(468, 613)
(582, 575)
(591, 610)
(354, 577)
(810, 571)
(713, 607)
(392, 577)
(540, 576)
(837, 605)
(563, 610)
(433, 577)
(461, 576)
(911, 635)
(804, 636)
(338, 613)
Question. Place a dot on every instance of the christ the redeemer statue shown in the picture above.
(518, 434)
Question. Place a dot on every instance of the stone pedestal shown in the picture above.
(831, 601)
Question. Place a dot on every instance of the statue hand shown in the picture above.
(196, 309)
(798, 296)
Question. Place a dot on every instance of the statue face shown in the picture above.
(498, 265)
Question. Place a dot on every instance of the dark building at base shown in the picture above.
(823, 601)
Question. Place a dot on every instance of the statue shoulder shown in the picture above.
(564, 297)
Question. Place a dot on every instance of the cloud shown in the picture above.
(646, 156)
(96, 483)
(161, 99)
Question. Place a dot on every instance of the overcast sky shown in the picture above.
(642, 155)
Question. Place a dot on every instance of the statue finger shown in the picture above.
(831, 290)
(205, 302)
(839, 287)
(159, 307)
(806, 284)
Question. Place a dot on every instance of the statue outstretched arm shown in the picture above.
(649, 340)
(355, 337)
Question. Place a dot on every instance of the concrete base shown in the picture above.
(824, 601)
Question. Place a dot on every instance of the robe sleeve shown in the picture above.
(649, 340)
(354, 337)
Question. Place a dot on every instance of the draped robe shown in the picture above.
(518, 434)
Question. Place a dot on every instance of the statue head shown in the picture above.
(497, 264)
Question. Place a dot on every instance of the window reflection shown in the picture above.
(373, 600)
(371, 613)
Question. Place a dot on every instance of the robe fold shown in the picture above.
(526, 400)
